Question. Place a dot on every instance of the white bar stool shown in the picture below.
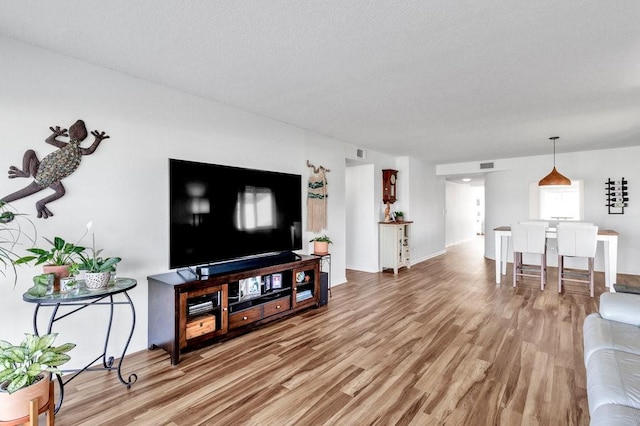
(577, 240)
(529, 238)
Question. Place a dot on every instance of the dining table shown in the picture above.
(608, 237)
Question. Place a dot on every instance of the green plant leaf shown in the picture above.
(6, 375)
(53, 370)
(38, 251)
(108, 263)
(30, 342)
(54, 360)
(45, 341)
(64, 348)
(25, 259)
(46, 357)
(15, 354)
(18, 383)
(34, 369)
(58, 243)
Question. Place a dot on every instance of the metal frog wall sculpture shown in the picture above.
(56, 166)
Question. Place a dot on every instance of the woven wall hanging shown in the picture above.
(317, 199)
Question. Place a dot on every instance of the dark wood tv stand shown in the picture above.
(187, 312)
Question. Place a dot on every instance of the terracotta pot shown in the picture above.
(320, 247)
(16, 405)
(59, 271)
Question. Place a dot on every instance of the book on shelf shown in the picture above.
(303, 295)
(276, 281)
(200, 308)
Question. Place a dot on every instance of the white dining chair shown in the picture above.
(577, 240)
(529, 238)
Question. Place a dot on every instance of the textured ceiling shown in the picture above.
(442, 80)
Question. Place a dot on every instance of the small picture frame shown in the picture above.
(276, 281)
(250, 287)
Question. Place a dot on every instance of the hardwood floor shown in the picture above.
(440, 343)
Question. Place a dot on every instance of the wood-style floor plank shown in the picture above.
(440, 343)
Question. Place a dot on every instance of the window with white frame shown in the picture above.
(557, 202)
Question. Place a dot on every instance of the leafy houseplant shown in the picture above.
(56, 259)
(322, 239)
(321, 244)
(70, 283)
(60, 253)
(25, 372)
(97, 269)
(11, 231)
(22, 365)
(399, 216)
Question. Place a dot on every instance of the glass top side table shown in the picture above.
(77, 300)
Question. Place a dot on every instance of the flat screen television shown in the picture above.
(220, 213)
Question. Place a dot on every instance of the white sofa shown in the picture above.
(612, 360)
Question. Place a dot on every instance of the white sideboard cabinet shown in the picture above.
(395, 245)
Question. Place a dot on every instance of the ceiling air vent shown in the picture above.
(360, 153)
(486, 165)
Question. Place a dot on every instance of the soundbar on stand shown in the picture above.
(245, 263)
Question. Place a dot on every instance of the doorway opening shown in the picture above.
(464, 208)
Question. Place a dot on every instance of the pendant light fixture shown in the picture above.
(554, 178)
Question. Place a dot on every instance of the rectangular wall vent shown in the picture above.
(360, 153)
(486, 165)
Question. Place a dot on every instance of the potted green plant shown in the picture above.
(321, 244)
(97, 269)
(25, 372)
(11, 232)
(55, 260)
(70, 283)
(399, 216)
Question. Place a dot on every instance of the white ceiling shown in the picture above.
(442, 80)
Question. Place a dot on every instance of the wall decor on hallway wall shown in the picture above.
(55, 166)
(389, 191)
(317, 199)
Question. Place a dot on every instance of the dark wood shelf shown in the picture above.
(171, 294)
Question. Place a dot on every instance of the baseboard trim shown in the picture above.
(431, 256)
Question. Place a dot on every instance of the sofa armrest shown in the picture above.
(621, 307)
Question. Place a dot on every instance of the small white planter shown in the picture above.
(96, 280)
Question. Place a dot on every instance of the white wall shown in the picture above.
(123, 186)
(421, 195)
(362, 219)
